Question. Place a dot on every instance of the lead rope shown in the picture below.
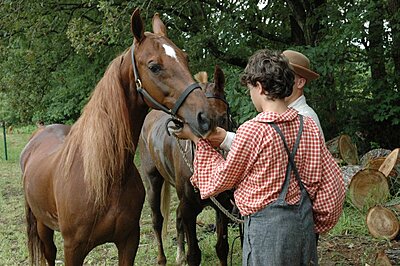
(213, 199)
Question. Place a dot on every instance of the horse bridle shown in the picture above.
(231, 122)
(158, 105)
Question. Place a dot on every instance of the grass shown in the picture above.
(13, 247)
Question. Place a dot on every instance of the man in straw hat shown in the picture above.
(303, 74)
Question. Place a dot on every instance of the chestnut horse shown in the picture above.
(162, 164)
(81, 180)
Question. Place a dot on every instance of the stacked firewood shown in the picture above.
(373, 184)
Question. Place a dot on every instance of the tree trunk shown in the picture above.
(387, 167)
(373, 154)
(394, 22)
(305, 21)
(376, 52)
(382, 259)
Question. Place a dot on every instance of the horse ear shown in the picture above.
(219, 78)
(201, 77)
(137, 27)
(158, 25)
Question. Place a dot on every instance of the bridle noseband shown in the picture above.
(158, 105)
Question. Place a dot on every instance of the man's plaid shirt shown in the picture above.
(256, 165)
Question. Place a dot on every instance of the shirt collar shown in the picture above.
(298, 102)
(265, 117)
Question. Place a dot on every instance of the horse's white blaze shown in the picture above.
(170, 51)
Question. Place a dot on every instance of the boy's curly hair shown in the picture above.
(272, 70)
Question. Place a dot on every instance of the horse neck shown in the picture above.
(137, 107)
(104, 138)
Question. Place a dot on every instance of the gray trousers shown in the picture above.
(281, 234)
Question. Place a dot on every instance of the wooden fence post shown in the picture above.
(5, 140)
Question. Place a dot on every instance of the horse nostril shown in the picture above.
(205, 124)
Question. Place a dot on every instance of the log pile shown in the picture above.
(373, 184)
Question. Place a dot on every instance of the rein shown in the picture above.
(146, 95)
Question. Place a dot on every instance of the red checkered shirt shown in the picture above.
(256, 164)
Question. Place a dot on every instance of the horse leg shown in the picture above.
(154, 195)
(46, 236)
(75, 253)
(189, 214)
(180, 237)
(222, 246)
(127, 249)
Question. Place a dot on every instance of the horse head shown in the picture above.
(162, 76)
(216, 96)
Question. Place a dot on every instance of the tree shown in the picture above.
(52, 54)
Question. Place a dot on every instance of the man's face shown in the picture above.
(298, 86)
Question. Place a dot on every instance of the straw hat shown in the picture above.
(300, 64)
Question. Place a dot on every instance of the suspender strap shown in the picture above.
(291, 162)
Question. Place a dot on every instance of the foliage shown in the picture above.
(52, 54)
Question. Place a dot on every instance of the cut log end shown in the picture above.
(367, 188)
(389, 163)
(382, 223)
(372, 154)
(347, 149)
(382, 259)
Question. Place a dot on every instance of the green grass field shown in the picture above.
(13, 249)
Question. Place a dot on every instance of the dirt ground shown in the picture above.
(351, 250)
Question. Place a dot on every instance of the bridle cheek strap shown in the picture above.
(148, 97)
(153, 102)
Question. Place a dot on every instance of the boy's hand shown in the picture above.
(183, 132)
(217, 136)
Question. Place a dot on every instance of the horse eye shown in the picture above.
(155, 68)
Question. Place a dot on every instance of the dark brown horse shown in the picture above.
(81, 180)
(162, 164)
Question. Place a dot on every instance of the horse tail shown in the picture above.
(35, 245)
(165, 205)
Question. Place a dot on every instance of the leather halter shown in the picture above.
(145, 94)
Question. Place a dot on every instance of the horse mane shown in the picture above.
(102, 137)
